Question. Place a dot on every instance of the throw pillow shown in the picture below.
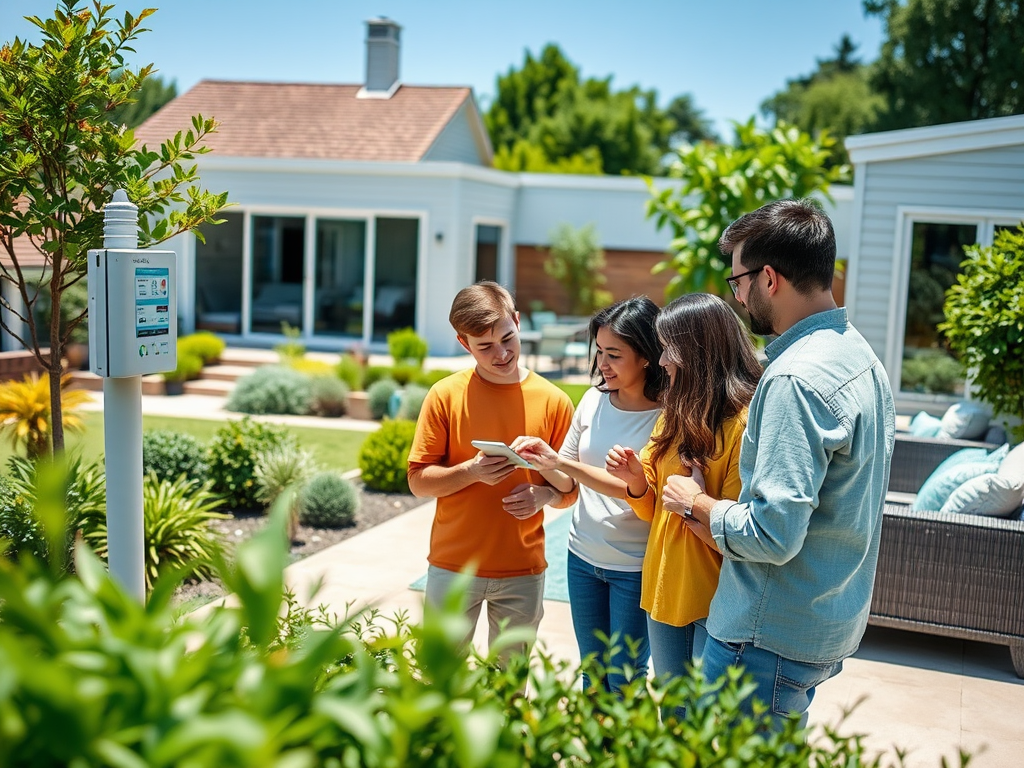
(965, 421)
(925, 425)
(995, 434)
(956, 470)
(1012, 467)
(990, 495)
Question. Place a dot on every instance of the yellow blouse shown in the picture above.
(680, 572)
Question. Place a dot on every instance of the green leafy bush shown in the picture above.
(328, 500)
(19, 528)
(404, 373)
(375, 373)
(233, 453)
(311, 368)
(430, 378)
(167, 454)
(384, 457)
(206, 345)
(408, 347)
(279, 469)
(188, 367)
(931, 371)
(271, 389)
(412, 402)
(176, 528)
(328, 396)
(351, 371)
(985, 323)
(292, 348)
(378, 397)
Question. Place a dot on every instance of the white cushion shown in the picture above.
(965, 421)
(990, 495)
(1012, 466)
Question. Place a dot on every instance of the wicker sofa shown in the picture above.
(956, 575)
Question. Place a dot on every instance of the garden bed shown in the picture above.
(375, 507)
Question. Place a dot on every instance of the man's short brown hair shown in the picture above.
(478, 308)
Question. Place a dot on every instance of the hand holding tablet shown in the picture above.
(493, 448)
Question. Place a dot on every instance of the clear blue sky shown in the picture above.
(730, 54)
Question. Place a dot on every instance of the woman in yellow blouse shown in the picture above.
(713, 371)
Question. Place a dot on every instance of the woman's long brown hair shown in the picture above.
(717, 373)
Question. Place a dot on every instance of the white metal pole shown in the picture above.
(122, 432)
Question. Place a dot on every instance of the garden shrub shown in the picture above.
(328, 396)
(931, 371)
(374, 373)
(19, 529)
(280, 468)
(311, 368)
(176, 528)
(167, 454)
(411, 403)
(384, 456)
(407, 347)
(378, 397)
(404, 373)
(328, 500)
(90, 672)
(233, 453)
(430, 378)
(205, 344)
(292, 348)
(351, 371)
(271, 389)
(188, 367)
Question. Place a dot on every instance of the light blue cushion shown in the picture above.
(956, 470)
(925, 425)
(965, 421)
(991, 495)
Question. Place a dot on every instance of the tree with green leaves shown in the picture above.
(837, 97)
(152, 94)
(720, 183)
(576, 261)
(545, 117)
(944, 61)
(985, 322)
(62, 160)
(691, 125)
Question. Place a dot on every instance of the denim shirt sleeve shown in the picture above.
(794, 426)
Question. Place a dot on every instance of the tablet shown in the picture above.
(492, 448)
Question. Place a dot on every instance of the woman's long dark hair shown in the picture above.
(717, 373)
(632, 320)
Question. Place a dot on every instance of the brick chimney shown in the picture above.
(382, 49)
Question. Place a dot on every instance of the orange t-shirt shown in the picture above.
(470, 526)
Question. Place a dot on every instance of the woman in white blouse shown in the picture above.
(606, 539)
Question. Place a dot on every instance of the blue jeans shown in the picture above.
(608, 601)
(786, 686)
(673, 649)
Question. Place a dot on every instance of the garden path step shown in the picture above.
(209, 387)
(225, 372)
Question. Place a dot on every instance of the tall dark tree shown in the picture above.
(151, 95)
(691, 124)
(949, 60)
(546, 118)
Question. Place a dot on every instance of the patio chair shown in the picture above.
(954, 575)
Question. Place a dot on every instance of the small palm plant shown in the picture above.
(25, 411)
(282, 469)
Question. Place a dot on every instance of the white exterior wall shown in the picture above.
(982, 186)
(457, 142)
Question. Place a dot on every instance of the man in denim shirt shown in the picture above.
(801, 543)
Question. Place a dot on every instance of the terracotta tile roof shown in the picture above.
(296, 120)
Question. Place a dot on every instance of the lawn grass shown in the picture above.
(331, 448)
(574, 391)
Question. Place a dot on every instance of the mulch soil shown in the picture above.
(375, 507)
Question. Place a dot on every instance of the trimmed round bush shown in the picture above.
(169, 454)
(375, 373)
(379, 395)
(328, 396)
(405, 373)
(351, 371)
(328, 500)
(407, 346)
(208, 346)
(430, 378)
(384, 457)
(233, 453)
(412, 402)
(271, 389)
(189, 366)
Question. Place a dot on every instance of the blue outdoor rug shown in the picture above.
(556, 549)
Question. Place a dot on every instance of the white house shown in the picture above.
(920, 196)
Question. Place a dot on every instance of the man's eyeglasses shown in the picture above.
(732, 281)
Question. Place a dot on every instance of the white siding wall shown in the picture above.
(977, 183)
(456, 143)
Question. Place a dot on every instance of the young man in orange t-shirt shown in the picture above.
(487, 509)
